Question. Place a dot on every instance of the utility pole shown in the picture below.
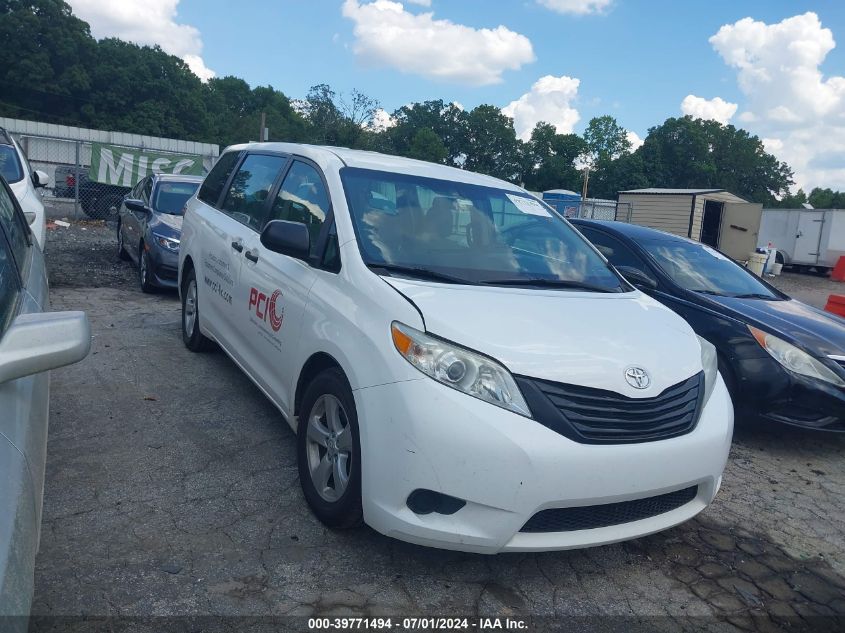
(261, 130)
(586, 181)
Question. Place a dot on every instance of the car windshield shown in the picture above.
(171, 197)
(460, 233)
(10, 165)
(699, 268)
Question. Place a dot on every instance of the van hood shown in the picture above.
(580, 338)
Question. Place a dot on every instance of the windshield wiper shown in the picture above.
(753, 295)
(421, 273)
(704, 291)
(546, 283)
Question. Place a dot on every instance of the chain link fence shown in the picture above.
(593, 209)
(71, 191)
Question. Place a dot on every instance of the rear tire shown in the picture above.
(193, 338)
(122, 255)
(329, 451)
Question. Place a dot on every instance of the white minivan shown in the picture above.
(462, 368)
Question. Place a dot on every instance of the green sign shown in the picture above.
(125, 166)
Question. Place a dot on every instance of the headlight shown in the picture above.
(710, 363)
(459, 368)
(794, 359)
(167, 242)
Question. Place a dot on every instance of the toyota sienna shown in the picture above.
(462, 368)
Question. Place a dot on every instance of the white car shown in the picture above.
(25, 182)
(463, 369)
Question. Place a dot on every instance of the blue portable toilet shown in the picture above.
(563, 201)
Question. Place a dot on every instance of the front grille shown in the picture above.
(597, 416)
(591, 517)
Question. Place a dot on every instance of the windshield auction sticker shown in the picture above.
(529, 206)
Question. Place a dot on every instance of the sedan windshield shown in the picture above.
(454, 232)
(699, 268)
(10, 166)
(172, 196)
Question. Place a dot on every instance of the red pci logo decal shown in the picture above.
(267, 308)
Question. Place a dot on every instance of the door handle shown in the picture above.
(251, 256)
(238, 246)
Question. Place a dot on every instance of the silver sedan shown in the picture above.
(32, 341)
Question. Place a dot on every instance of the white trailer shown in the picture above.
(804, 238)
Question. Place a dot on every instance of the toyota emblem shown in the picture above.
(637, 377)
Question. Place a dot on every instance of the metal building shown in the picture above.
(712, 216)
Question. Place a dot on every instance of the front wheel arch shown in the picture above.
(313, 367)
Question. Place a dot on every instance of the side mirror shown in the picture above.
(637, 277)
(40, 178)
(39, 342)
(30, 217)
(136, 205)
(288, 238)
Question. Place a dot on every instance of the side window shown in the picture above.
(146, 189)
(247, 196)
(14, 225)
(302, 198)
(9, 287)
(616, 252)
(213, 184)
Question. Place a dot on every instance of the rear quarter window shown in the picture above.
(214, 183)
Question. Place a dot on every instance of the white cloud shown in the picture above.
(716, 109)
(388, 35)
(550, 100)
(145, 22)
(422, 3)
(381, 121)
(790, 103)
(577, 7)
(634, 139)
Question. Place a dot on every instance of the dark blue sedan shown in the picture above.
(782, 360)
(149, 227)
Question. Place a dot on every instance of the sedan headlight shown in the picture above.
(459, 368)
(795, 359)
(169, 243)
(710, 363)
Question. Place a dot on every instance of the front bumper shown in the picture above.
(420, 434)
(773, 394)
(164, 267)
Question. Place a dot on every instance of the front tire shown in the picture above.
(145, 272)
(329, 451)
(193, 338)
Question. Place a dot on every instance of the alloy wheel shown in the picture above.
(329, 447)
(190, 312)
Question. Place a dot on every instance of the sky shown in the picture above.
(772, 67)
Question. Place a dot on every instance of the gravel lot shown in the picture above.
(172, 490)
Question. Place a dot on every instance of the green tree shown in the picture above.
(687, 152)
(446, 120)
(826, 199)
(44, 61)
(606, 139)
(549, 159)
(492, 147)
(426, 145)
